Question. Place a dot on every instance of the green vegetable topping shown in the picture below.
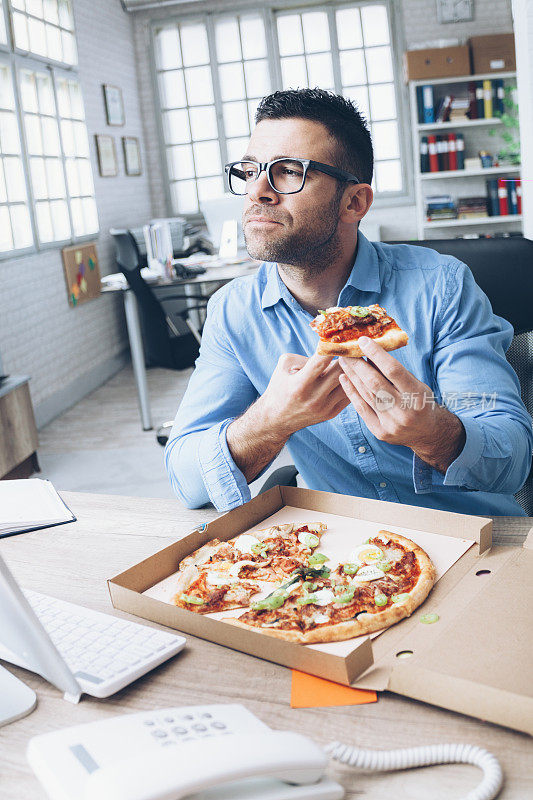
(347, 596)
(315, 559)
(310, 540)
(385, 566)
(400, 598)
(194, 601)
(350, 569)
(270, 603)
(428, 619)
(380, 599)
(309, 587)
(259, 549)
(359, 311)
(321, 312)
(310, 572)
(306, 599)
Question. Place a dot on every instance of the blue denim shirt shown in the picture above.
(456, 346)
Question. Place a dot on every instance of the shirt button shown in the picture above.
(383, 484)
(362, 449)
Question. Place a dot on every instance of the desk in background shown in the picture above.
(114, 532)
(221, 275)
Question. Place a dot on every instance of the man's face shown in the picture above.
(301, 228)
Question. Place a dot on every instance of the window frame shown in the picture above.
(269, 12)
(16, 60)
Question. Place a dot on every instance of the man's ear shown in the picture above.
(356, 201)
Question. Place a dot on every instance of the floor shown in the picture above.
(99, 445)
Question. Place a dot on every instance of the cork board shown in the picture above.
(82, 273)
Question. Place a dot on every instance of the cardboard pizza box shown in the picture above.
(476, 659)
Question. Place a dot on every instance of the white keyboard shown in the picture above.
(103, 652)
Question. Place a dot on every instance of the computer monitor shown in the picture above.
(24, 641)
(220, 210)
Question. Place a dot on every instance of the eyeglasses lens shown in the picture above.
(286, 176)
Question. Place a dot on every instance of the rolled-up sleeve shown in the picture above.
(475, 381)
(197, 458)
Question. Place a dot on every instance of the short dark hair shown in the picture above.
(340, 116)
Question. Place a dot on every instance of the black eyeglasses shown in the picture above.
(285, 175)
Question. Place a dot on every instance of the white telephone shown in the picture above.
(219, 752)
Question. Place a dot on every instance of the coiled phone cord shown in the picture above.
(423, 757)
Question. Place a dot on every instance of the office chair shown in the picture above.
(170, 338)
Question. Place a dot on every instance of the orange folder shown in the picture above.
(308, 691)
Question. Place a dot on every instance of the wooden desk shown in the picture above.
(73, 562)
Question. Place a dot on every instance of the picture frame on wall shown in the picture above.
(114, 105)
(107, 155)
(132, 155)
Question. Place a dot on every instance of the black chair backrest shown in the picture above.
(503, 268)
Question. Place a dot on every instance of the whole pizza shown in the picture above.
(340, 328)
(292, 591)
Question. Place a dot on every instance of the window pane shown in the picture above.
(90, 214)
(3, 33)
(207, 158)
(53, 43)
(375, 25)
(236, 119)
(316, 31)
(80, 139)
(37, 36)
(231, 81)
(21, 224)
(20, 31)
(194, 45)
(210, 188)
(38, 178)
(203, 123)
(252, 108)
(320, 71)
(28, 91)
(14, 176)
(257, 78)
(290, 35)
(54, 178)
(379, 64)
(86, 177)
(253, 37)
(44, 222)
(172, 89)
(359, 95)
(167, 48)
(6, 88)
(9, 133)
(382, 101)
(236, 148)
(6, 241)
(176, 126)
(184, 198)
(60, 219)
(45, 94)
(294, 74)
(65, 15)
(353, 69)
(227, 40)
(35, 7)
(388, 176)
(385, 140)
(73, 178)
(349, 28)
(76, 100)
(67, 137)
(50, 136)
(180, 163)
(63, 99)
(51, 13)
(70, 53)
(3, 190)
(199, 87)
(33, 134)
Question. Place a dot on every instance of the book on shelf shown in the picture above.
(427, 103)
(512, 200)
(472, 207)
(472, 101)
(480, 101)
(493, 202)
(502, 197)
(487, 98)
(440, 206)
(432, 152)
(424, 154)
(518, 183)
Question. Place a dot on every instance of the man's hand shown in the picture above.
(301, 392)
(375, 388)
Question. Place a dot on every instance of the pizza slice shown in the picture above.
(281, 549)
(206, 590)
(385, 581)
(340, 328)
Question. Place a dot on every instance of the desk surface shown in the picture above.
(221, 274)
(73, 562)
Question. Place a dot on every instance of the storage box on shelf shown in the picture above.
(451, 118)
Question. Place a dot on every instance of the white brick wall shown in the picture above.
(40, 335)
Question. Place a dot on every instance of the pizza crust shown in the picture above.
(365, 623)
(392, 339)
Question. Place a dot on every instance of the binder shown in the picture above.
(419, 105)
(440, 153)
(502, 197)
(487, 97)
(498, 95)
(433, 158)
(512, 197)
(460, 147)
(472, 110)
(445, 153)
(424, 154)
(452, 150)
(427, 101)
(493, 204)
(518, 184)
(479, 100)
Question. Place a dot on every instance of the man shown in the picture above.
(374, 427)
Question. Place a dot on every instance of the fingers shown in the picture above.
(368, 374)
(389, 366)
(292, 362)
(365, 411)
(315, 366)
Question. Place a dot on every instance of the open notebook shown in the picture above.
(26, 505)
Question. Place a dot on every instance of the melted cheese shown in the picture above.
(323, 597)
(236, 568)
(245, 542)
(370, 572)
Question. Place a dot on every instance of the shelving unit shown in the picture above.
(459, 177)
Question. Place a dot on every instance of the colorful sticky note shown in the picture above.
(74, 301)
(78, 278)
(308, 691)
(78, 256)
(83, 285)
(91, 263)
(75, 289)
(82, 268)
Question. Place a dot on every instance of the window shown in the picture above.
(3, 32)
(45, 28)
(15, 224)
(212, 72)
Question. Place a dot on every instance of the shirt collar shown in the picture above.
(364, 275)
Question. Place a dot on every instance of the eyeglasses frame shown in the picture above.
(264, 166)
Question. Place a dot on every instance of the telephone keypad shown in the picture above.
(185, 727)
